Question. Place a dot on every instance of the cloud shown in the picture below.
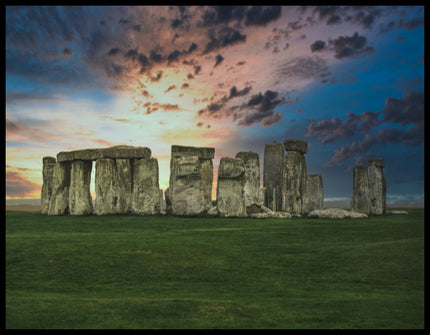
(317, 46)
(409, 109)
(349, 46)
(262, 15)
(218, 59)
(18, 186)
(401, 113)
(223, 37)
(412, 24)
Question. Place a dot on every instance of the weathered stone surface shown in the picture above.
(266, 213)
(113, 185)
(397, 212)
(313, 197)
(230, 188)
(231, 168)
(120, 151)
(335, 213)
(377, 187)
(59, 202)
(360, 193)
(207, 175)
(191, 177)
(80, 202)
(213, 211)
(252, 177)
(273, 174)
(200, 152)
(380, 162)
(295, 173)
(146, 190)
(296, 145)
(48, 182)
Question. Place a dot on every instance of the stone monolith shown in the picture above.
(295, 172)
(48, 182)
(146, 190)
(273, 174)
(80, 202)
(59, 203)
(313, 196)
(252, 178)
(190, 184)
(377, 186)
(231, 188)
(360, 193)
(113, 185)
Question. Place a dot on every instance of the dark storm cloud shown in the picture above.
(409, 110)
(261, 15)
(223, 37)
(349, 46)
(254, 15)
(317, 46)
(412, 24)
(222, 14)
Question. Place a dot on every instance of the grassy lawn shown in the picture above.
(171, 272)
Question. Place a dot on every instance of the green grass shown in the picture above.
(171, 272)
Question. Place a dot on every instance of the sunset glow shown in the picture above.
(348, 80)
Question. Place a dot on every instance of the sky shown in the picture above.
(348, 80)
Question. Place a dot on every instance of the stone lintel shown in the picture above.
(377, 162)
(49, 160)
(120, 151)
(201, 152)
(296, 145)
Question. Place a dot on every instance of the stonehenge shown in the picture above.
(127, 182)
(190, 184)
(369, 188)
(231, 188)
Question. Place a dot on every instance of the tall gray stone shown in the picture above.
(80, 202)
(231, 188)
(59, 202)
(146, 190)
(48, 181)
(113, 185)
(273, 174)
(360, 193)
(295, 174)
(377, 186)
(252, 177)
(191, 177)
(313, 197)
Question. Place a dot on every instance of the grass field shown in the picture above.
(171, 272)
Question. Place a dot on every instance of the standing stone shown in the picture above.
(252, 177)
(273, 174)
(146, 190)
(295, 173)
(230, 188)
(80, 202)
(113, 186)
(191, 176)
(360, 193)
(59, 202)
(48, 181)
(313, 197)
(377, 186)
